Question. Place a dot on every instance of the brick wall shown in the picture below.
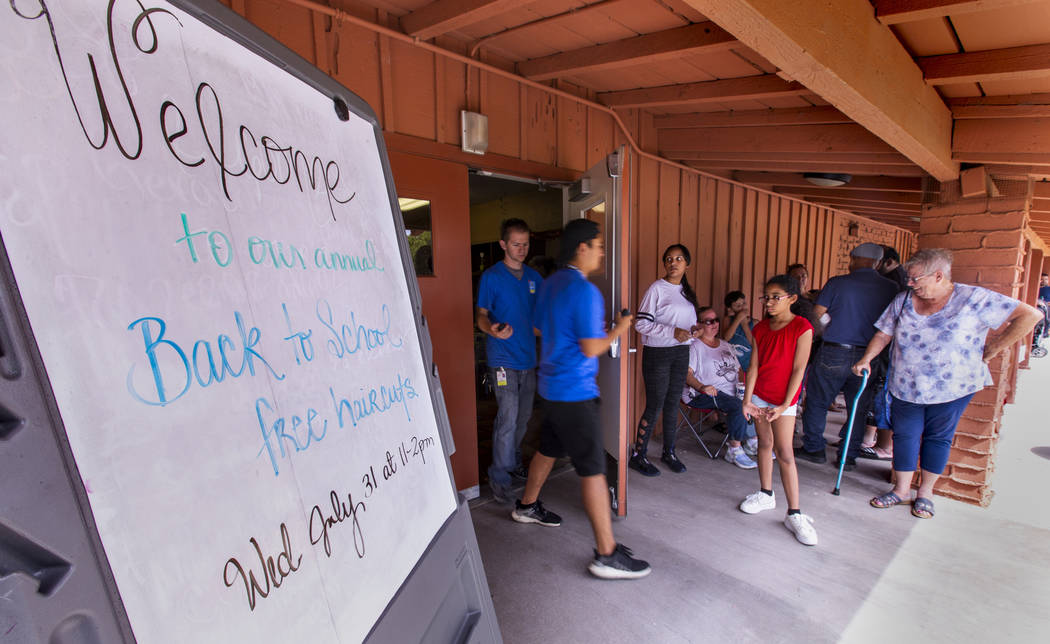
(867, 231)
(986, 237)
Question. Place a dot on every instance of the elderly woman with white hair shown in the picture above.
(940, 360)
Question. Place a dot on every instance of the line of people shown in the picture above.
(940, 347)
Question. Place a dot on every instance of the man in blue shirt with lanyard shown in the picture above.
(506, 298)
(570, 315)
(846, 311)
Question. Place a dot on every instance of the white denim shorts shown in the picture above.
(761, 404)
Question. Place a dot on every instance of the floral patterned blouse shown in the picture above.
(938, 358)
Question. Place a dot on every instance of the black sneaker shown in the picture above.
(812, 457)
(672, 462)
(619, 565)
(535, 513)
(520, 472)
(641, 463)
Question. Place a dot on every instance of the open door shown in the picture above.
(600, 195)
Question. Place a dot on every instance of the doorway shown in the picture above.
(493, 199)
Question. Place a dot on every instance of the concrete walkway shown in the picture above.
(969, 574)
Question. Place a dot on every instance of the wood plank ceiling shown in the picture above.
(899, 94)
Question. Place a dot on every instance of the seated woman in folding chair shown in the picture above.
(711, 383)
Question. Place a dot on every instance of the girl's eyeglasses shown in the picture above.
(774, 298)
(709, 322)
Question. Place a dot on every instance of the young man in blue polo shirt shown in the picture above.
(570, 318)
(506, 298)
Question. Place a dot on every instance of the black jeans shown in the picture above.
(664, 370)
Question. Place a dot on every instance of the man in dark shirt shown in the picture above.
(890, 267)
(846, 312)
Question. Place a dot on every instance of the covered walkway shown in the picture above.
(720, 575)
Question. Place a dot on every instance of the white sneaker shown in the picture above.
(751, 446)
(736, 456)
(802, 526)
(758, 501)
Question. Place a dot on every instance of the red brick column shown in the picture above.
(987, 239)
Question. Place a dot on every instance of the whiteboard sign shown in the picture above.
(209, 260)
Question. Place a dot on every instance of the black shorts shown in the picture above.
(574, 429)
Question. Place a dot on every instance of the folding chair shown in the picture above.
(685, 419)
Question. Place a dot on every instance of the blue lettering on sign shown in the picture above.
(200, 366)
(374, 401)
(286, 435)
(337, 261)
(276, 434)
(349, 338)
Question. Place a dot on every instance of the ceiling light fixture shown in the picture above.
(827, 179)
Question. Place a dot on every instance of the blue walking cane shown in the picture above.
(844, 449)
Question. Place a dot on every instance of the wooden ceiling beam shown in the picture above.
(894, 12)
(442, 16)
(800, 138)
(997, 107)
(752, 118)
(1010, 63)
(661, 45)
(1005, 158)
(802, 166)
(594, 11)
(844, 158)
(870, 212)
(716, 91)
(1000, 141)
(894, 184)
(828, 47)
(1019, 171)
(854, 205)
(906, 223)
(907, 207)
(904, 198)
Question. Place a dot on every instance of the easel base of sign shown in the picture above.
(446, 598)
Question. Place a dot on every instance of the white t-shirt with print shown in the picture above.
(715, 366)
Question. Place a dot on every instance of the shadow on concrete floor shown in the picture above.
(723, 576)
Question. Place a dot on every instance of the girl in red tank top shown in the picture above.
(774, 381)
